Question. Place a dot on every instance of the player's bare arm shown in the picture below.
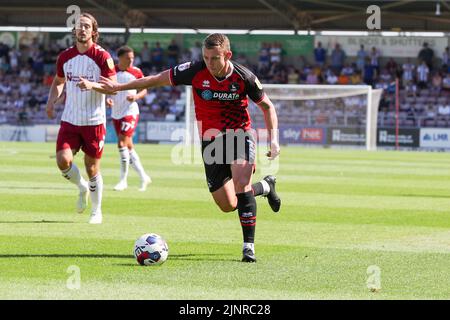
(135, 97)
(85, 84)
(271, 120)
(55, 92)
(158, 80)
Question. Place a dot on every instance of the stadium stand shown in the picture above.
(27, 73)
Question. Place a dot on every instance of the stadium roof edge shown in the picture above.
(237, 31)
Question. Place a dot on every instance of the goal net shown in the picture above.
(339, 114)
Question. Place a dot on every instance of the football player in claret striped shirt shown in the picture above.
(83, 120)
(125, 114)
(221, 89)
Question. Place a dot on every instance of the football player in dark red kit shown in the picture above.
(221, 89)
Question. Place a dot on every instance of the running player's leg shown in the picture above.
(124, 161)
(242, 179)
(225, 197)
(68, 143)
(94, 139)
(266, 188)
(95, 187)
(129, 125)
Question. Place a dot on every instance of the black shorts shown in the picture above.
(219, 153)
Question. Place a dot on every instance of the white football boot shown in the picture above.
(144, 183)
(82, 201)
(96, 217)
(122, 185)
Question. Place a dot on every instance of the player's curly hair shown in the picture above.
(95, 33)
(216, 40)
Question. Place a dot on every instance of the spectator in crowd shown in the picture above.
(343, 78)
(14, 56)
(422, 75)
(264, 58)
(196, 52)
(275, 53)
(361, 58)
(146, 60)
(391, 67)
(436, 83)
(446, 57)
(446, 82)
(320, 55)
(385, 76)
(426, 54)
(356, 78)
(331, 77)
(408, 71)
(242, 59)
(347, 70)
(369, 72)
(173, 52)
(411, 89)
(186, 55)
(312, 77)
(444, 110)
(337, 58)
(374, 59)
(157, 57)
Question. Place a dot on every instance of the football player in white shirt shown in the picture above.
(83, 121)
(125, 114)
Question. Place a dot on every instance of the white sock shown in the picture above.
(266, 187)
(249, 245)
(73, 175)
(96, 190)
(124, 162)
(136, 164)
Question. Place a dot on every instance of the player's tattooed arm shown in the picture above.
(158, 80)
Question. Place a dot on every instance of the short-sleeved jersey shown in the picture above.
(84, 108)
(219, 104)
(122, 107)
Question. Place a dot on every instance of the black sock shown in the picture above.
(258, 189)
(247, 215)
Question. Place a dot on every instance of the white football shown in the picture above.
(150, 250)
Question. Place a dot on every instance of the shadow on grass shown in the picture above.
(186, 257)
(425, 196)
(37, 221)
(34, 188)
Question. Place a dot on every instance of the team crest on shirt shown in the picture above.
(234, 87)
(110, 63)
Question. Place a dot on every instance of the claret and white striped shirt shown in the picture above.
(122, 107)
(84, 108)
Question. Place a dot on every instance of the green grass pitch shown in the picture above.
(343, 211)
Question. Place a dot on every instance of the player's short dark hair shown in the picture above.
(216, 40)
(124, 49)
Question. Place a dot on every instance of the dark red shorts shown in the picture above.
(126, 125)
(90, 139)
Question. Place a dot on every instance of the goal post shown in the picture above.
(355, 106)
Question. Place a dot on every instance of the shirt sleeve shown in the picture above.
(255, 90)
(60, 67)
(184, 73)
(107, 66)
